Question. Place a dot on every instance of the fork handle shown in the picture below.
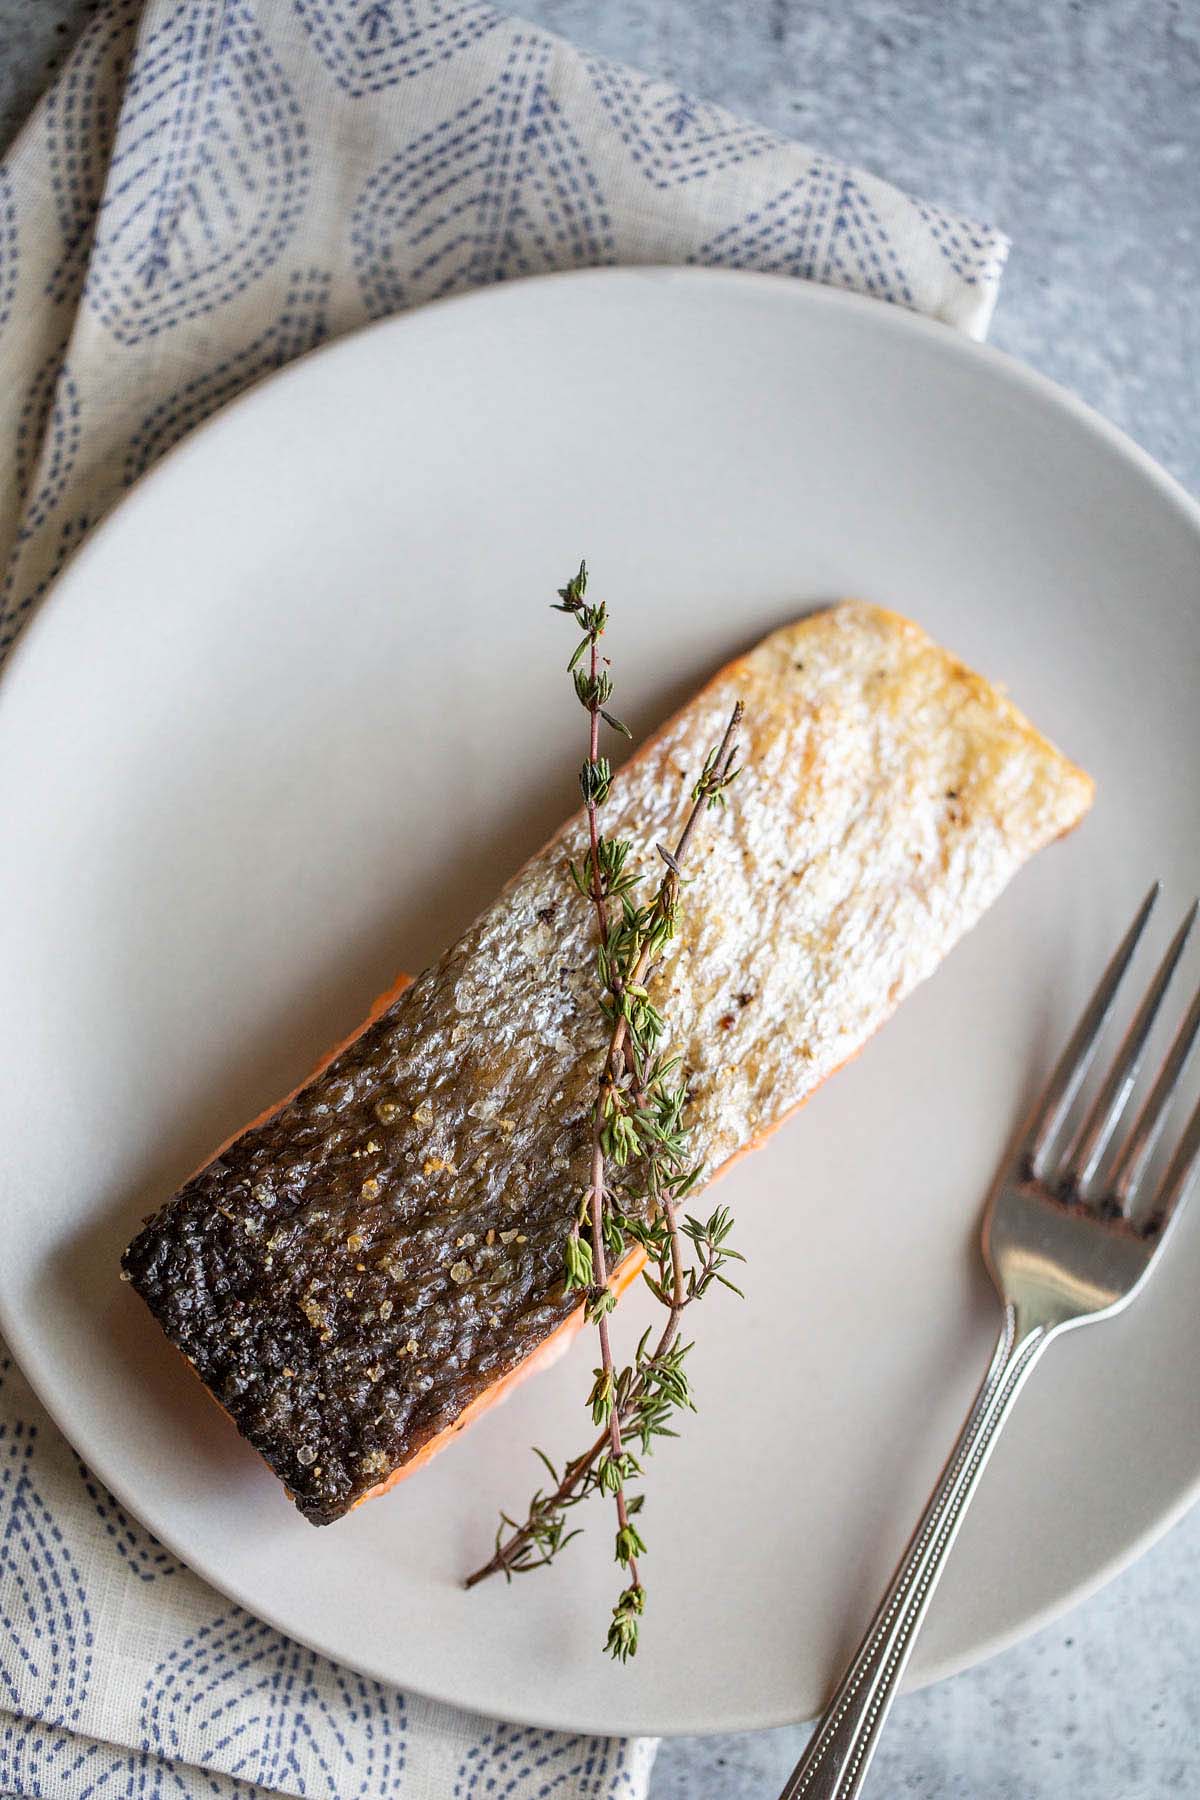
(835, 1762)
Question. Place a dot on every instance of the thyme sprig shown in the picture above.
(639, 1128)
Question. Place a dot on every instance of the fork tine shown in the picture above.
(1179, 1176)
(1083, 1158)
(1075, 1060)
(1135, 1152)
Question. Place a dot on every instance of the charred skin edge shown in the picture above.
(378, 1007)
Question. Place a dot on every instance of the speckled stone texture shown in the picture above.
(1074, 124)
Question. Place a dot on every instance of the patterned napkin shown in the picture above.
(210, 188)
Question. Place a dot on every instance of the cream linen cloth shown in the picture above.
(210, 188)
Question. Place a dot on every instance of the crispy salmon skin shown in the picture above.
(362, 1270)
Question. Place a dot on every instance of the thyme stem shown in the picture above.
(636, 1115)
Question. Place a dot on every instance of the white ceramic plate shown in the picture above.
(297, 710)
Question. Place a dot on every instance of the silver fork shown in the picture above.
(1063, 1250)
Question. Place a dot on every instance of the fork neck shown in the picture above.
(1028, 1320)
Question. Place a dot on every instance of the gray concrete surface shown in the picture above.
(1075, 124)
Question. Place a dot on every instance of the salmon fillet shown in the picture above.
(366, 1268)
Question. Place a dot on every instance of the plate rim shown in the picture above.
(789, 291)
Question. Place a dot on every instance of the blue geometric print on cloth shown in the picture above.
(142, 1554)
(48, 436)
(265, 1709)
(368, 45)
(8, 248)
(670, 136)
(519, 1762)
(71, 533)
(48, 1764)
(970, 252)
(821, 228)
(501, 188)
(298, 327)
(81, 113)
(45, 1626)
(209, 175)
